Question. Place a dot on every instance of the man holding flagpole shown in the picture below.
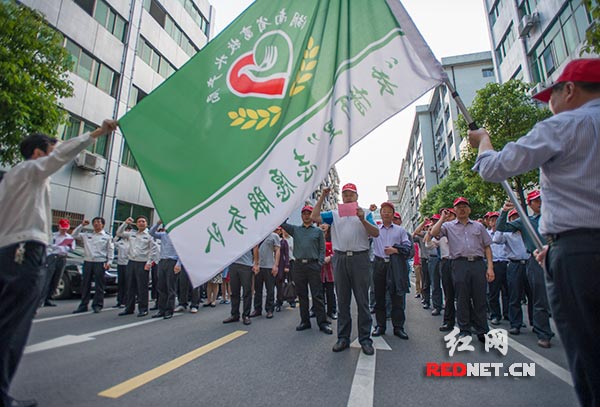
(566, 147)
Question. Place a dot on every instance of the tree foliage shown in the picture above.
(592, 36)
(33, 66)
(508, 113)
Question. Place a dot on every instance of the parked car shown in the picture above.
(70, 282)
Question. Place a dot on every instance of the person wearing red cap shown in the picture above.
(24, 234)
(309, 252)
(391, 249)
(468, 243)
(535, 273)
(56, 260)
(350, 240)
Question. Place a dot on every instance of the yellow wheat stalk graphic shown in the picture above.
(309, 62)
(256, 119)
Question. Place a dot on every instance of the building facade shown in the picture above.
(533, 39)
(121, 51)
(434, 140)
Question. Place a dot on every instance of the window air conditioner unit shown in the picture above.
(87, 161)
(527, 23)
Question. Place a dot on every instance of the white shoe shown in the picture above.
(193, 310)
(179, 308)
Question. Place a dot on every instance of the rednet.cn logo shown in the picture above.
(494, 339)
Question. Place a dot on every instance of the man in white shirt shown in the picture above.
(24, 234)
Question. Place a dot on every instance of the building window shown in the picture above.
(127, 158)
(447, 113)
(505, 44)
(91, 69)
(126, 210)
(106, 16)
(450, 139)
(487, 72)
(76, 126)
(156, 61)
(196, 15)
(495, 12)
(169, 25)
(135, 96)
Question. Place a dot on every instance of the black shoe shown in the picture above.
(158, 315)
(367, 348)
(49, 303)
(293, 304)
(463, 334)
(435, 312)
(246, 321)
(446, 327)
(481, 338)
(495, 321)
(514, 331)
(154, 308)
(168, 315)
(340, 345)
(378, 331)
(426, 306)
(400, 333)
(80, 310)
(22, 403)
(372, 310)
(255, 313)
(326, 329)
(333, 316)
(278, 308)
(303, 326)
(418, 296)
(142, 314)
(125, 313)
(96, 309)
(231, 319)
(269, 314)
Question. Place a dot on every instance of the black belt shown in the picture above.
(470, 258)
(519, 261)
(306, 261)
(382, 259)
(551, 238)
(434, 256)
(350, 253)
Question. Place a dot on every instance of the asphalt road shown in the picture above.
(194, 359)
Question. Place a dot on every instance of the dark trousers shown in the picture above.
(264, 277)
(20, 289)
(425, 281)
(240, 278)
(470, 287)
(541, 306)
(573, 265)
(137, 286)
(371, 285)
(435, 282)
(167, 281)
(329, 295)
(309, 274)
(495, 287)
(122, 282)
(186, 292)
(92, 270)
(516, 278)
(449, 295)
(352, 277)
(154, 279)
(381, 290)
(55, 265)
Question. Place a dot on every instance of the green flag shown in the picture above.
(243, 133)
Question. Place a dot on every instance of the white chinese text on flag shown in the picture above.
(244, 132)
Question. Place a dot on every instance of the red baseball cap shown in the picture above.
(349, 187)
(487, 215)
(461, 199)
(532, 195)
(436, 216)
(307, 208)
(513, 212)
(578, 70)
(397, 215)
(451, 210)
(64, 224)
(389, 205)
(493, 214)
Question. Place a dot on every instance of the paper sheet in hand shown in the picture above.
(348, 209)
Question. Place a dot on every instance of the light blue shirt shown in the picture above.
(167, 249)
(498, 248)
(388, 237)
(513, 244)
(566, 147)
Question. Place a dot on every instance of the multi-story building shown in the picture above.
(533, 39)
(121, 51)
(434, 140)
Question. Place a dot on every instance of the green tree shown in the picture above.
(455, 184)
(33, 66)
(508, 113)
(592, 36)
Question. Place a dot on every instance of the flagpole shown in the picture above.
(511, 194)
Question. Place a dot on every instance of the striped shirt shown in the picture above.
(566, 147)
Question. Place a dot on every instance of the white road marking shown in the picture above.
(74, 339)
(71, 315)
(558, 371)
(363, 384)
